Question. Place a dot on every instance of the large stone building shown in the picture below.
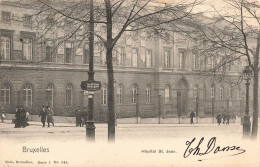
(153, 77)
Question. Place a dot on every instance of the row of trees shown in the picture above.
(226, 36)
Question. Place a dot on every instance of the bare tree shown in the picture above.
(229, 37)
(112, 18)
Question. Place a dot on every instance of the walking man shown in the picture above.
(192, 115)
(78, 116)
(43, 115)
(50, 114)
(228, 118)
(219, 116)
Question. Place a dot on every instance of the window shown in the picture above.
(212, 63)
(27, 49)
(49, 54)
(5, 47)
(68, 53)
(134, 94)
(212, 92)
(182, 57)
(6, 17)
(167, 59)
(27, 21)
(119, 93)
(230, 90)
(167, 94)
(221, 94)
(148, 58)
(104, 94)
(196, 91)
(27, 95)
(195, 61)
(148, 94)
(5, 94)
(120, 56)
(134, 57)
(49, 95)
(69, 95)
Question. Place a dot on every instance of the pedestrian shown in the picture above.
(50, 114)
(234, 117)
(224, 118)
(3, 114)
(192, 115)
(84, 116)
(23, 121)
(228, 118)
(219, 117)
(17, 120)
(43, 115)
(78, 116)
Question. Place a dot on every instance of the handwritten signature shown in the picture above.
(211, 148)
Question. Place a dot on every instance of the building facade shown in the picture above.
(153, 77)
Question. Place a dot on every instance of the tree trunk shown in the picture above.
(255, 90)
(110, 75)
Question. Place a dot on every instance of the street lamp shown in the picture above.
(246, 123)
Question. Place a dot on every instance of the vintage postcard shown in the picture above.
(129, 83)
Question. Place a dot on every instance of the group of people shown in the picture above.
(21, 117)
(46, 112)
(81, 116)
(225, 118)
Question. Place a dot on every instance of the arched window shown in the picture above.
(148, 94)
(104, 94)
(167, 94)
(27, 95)
(212, 92)
(49, 95)
(69, 95)
(134, 93)
(221, 93)
(119, 93)
(5, 94)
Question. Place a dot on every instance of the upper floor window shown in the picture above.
(148, 58)
(212, 92)
(5, 47)
(167, 94)
(134, 57)
(5, 94)
(182, 58)
(27, 95)
(148, 94)
(68, 99)
(68, 52)
(49, 52)
(167, 59)
(6, 17)
(49, 95)
(221, 96)
(120, 56)
(195, 61)
(134, 94)
(119, 93)
(104, 94)
(27, 21)
(27, 48)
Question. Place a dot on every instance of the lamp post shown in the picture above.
(246, 123)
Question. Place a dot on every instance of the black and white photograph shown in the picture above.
(129, 83)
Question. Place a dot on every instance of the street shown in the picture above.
(136, 144)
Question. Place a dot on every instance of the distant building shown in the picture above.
(158, 77)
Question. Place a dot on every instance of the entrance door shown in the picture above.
(182, 97)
